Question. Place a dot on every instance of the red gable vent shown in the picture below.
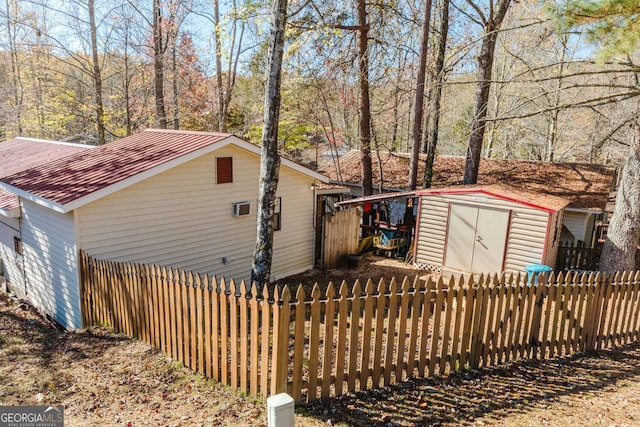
(224, 170)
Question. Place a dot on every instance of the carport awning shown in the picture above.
(378, 197)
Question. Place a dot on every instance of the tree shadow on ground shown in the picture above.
(463, 397)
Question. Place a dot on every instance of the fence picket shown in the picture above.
(265, 333)
(456, 339)
(215, 329)
(208, 356)
(413, 337)
(298, 346)
(342, 328)
(199, 295)
(427, 303)
(224, 333)
(234, 334)
(390, 333)
(369, 300)
(379, 330)
(327, 348)
(314, 344)
(634, 329)
(470, 303)
(441, 293)
(192, 332)
(354, 326)
(445, 354)
(254, 318)
(402, 328)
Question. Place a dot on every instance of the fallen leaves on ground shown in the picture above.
(103, 378)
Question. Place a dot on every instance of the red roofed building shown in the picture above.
(17, 155)
(173, 198)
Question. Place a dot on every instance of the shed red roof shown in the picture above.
(20, 154)
(73, 177)
(586, 186)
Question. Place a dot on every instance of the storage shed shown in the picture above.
(486, 229)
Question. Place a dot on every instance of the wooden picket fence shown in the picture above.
(581, 257)
(357, 337)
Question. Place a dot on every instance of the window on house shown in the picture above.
(277, 217)
(224, 170)
(17, 245)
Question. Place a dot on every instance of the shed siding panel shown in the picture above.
(526, 238)
(12, 262)
(50, 258)
(182, 218)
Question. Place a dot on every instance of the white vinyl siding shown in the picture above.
(12, 262)
(50, 257)
(525, 238)
(181, 218)
(293, 244)
(576, 223)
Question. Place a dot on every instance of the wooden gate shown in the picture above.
(340, 237)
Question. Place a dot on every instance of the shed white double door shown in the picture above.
(476, 238)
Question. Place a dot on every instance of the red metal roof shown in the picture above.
(73, 177)
(20, 154)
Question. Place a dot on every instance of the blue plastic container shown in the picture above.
(535, 270)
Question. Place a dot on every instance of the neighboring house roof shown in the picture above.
(586, 186)
(70, 182)
(20, 154)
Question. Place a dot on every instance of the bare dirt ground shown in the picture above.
(371, 266)
(104, 378)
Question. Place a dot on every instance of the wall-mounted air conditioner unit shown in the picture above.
(241, 208)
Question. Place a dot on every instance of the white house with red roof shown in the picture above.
(17, 155)
(173, 198)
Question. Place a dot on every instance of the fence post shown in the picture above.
(280, 350)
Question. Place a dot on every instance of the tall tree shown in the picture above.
(96, 73)
(270, 159)
(616, 23)
(16, 75)
(618, 252)
(158, 65)
(418, 115)
(430, 139)
(365, 104)
(491, 20)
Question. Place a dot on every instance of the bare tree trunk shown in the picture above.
(365, 107)
(436, 97)
(97, 75)
(618, 252)
(16, 77)
(158, 66)
(270, 160)
(481, 101)
(416, 138)
(553, 126)
(222, 126)
(174, 71)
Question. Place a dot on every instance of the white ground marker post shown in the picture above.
(280, 411)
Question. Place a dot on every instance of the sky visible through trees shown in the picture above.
(551, 96)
